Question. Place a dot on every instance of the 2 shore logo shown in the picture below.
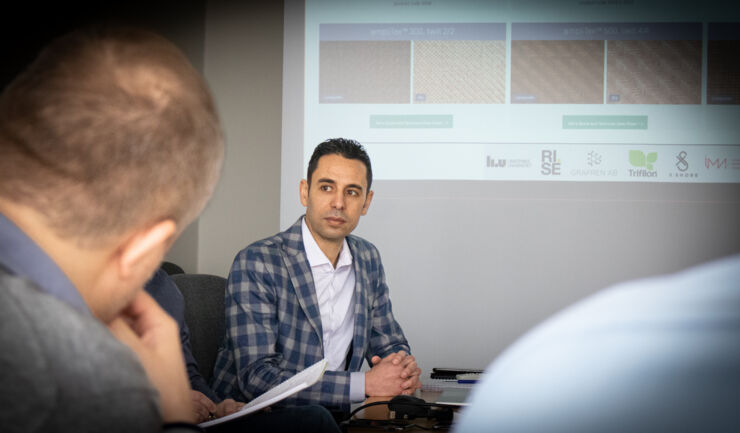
(643, 161)
(682, 165)
(551, 164)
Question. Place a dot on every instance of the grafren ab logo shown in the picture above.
(593, 159)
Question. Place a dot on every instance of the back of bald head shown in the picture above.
(107, 130)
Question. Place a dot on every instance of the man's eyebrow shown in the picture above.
(333, 182)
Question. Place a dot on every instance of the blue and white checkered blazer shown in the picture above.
(273, 323)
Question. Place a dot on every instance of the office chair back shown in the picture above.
(172, 268)
(204, 315)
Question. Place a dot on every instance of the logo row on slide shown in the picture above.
(672, 165)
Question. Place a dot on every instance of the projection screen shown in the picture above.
(525, 153)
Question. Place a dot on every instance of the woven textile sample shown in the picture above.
(459, 72)
(365, 72)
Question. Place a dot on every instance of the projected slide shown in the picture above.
(374, 63)
(723, 64)
(646, 63)
(557, 64)
(350, 77)
(459, 90)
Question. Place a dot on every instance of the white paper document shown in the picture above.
(300, 381)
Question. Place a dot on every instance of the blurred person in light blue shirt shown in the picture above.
(654, 355)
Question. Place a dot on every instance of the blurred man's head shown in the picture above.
(108, 138)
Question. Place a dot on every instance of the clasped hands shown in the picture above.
(395, 374)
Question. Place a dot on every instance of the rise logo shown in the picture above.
(551, 164)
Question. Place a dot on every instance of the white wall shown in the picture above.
(188, 32)
(468, 275)
(243, 66)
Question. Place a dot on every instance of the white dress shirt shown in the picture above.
(335, 289)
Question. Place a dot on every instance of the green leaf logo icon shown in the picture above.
(637, 158)
(651, 158)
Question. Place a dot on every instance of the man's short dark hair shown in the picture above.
(344, 147)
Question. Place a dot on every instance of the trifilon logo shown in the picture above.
(639, 158)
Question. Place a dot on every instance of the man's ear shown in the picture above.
(146, 247)
(303, 191)
(368, 199)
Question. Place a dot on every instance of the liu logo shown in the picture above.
(490, 162)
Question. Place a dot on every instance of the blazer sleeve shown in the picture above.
(386, 335)
(270, 336)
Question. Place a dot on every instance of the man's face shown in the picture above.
(336, 198)
(114, 294)
(128, 269)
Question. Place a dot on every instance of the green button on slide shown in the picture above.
(386, 121)
(605, 122)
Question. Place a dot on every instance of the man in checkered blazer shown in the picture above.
(312, 292)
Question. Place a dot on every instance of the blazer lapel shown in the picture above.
(301, 277)
(361, 331)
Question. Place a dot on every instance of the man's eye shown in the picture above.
(352, 192)
(325, 188)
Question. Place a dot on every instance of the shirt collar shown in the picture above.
(22, 257)
(315, 256)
